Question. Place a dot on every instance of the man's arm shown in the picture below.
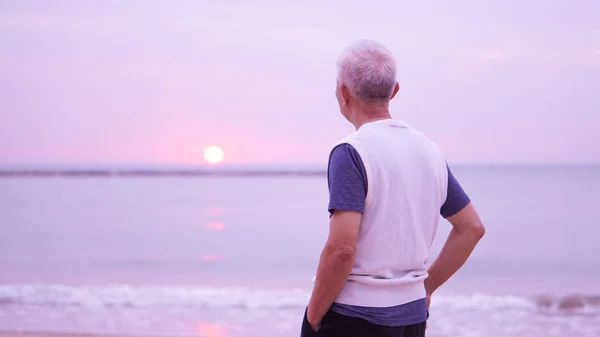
(347, 180)
(466, 232)
(335, 265)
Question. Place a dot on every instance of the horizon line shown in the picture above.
(220, 170)
(296, 165)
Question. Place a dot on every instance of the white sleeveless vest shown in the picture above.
(407, 181)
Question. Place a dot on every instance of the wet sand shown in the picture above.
(44, 334)
(59, 334)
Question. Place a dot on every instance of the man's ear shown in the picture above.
(396, 89)
(345, 94)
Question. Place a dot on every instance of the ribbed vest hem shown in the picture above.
(373, 295)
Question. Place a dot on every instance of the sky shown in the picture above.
(156, 82)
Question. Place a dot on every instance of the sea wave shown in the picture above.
(245, 298)
(57, 295)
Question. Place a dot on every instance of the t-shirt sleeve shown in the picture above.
(347, 180)
(456, 198)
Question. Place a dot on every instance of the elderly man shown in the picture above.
(388, 186)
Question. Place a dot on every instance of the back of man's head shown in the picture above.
(368, 69)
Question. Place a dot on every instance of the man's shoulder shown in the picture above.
(345, 144)
(422, 140)
(348, 139)
(344, 151)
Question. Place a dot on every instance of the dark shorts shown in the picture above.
(336, 325)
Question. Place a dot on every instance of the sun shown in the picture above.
(214, 154)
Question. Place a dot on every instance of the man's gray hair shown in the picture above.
(368, 69)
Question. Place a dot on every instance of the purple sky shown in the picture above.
(106, 82)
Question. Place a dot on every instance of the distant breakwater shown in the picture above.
(158, 172)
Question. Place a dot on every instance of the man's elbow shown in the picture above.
(341, 252)
(477, 230)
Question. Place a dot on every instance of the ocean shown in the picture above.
(235, 256)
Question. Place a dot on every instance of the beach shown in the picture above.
(50, 334)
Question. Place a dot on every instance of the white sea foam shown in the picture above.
(151, 296)
(129, 296)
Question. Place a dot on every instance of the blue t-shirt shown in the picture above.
(348, 186)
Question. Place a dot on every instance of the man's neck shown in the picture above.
(371, 114)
